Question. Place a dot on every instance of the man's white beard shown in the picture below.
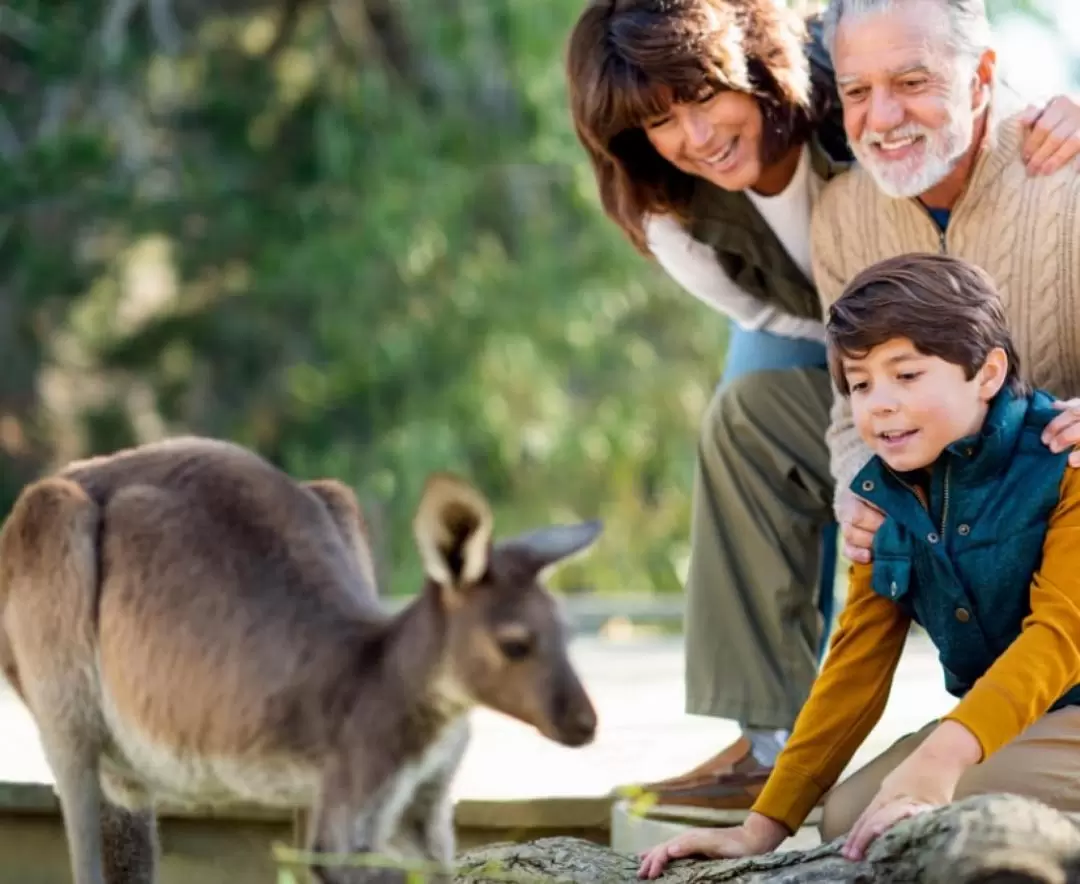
(941, 150)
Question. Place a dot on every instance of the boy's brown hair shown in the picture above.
(947, 307)
(627, 59)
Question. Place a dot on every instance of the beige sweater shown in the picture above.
(1024, 231)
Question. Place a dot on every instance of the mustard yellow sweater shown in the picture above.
(1024, 231)
(851, 691)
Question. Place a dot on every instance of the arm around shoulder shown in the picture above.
(847, 452)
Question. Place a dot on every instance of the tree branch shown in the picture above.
(388, 29)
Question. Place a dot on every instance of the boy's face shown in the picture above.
(908, 407)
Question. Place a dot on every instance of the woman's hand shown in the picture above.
(758, 834)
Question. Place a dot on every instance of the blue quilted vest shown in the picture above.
(961, 565)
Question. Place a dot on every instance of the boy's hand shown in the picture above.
(758, 834)
(924, 780)
(859, 522)
(1064, 430)
(909, 790)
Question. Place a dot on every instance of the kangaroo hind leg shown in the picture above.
(129, 839)
(129, 824)
(49, 579)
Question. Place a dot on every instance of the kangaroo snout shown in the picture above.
(547, 695)
(578, 728)
(508, 645)
(572, 718)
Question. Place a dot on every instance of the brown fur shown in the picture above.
(186, 622)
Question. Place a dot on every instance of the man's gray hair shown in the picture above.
(969, 27)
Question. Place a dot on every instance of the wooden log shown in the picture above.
(997, 839)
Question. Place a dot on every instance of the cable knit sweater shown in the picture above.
(1024, 231)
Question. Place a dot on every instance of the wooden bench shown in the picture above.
(234, 847)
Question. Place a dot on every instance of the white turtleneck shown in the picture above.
(693, 264)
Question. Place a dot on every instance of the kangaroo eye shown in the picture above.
(516, 647)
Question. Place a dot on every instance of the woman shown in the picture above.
(712, 126)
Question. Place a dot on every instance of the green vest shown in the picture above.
(962, 566)
(745, 246)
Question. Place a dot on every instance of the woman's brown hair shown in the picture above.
(627, 59)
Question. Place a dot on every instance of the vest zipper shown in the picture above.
(945, 502)
(914, 489)
(924, 500)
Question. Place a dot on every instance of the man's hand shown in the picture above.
(1053, 135)
(859, 522)
(924, 780)
(758, 834)
(1064, 430)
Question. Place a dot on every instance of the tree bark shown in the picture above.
(996, 839)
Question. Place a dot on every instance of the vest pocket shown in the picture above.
(997, 577)
(892, 576)
(954, 684)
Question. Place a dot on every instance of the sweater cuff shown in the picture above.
(788, 797)
(989, 716)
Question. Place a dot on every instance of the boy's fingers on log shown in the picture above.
(876, 820)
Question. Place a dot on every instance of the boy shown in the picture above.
(980, 544)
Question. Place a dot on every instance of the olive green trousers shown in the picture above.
(762, 496)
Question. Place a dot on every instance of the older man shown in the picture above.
(941, 169)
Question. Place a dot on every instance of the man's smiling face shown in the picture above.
(910, 103)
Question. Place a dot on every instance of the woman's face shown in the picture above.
(717, 137)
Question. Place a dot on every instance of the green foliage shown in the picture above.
(369, 265)
(365, 276)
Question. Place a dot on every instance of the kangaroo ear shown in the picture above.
(547, 546)
(452, 527)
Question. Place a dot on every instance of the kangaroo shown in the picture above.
(188, 623)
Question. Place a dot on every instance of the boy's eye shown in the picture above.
(858, 386)
(910, 375)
